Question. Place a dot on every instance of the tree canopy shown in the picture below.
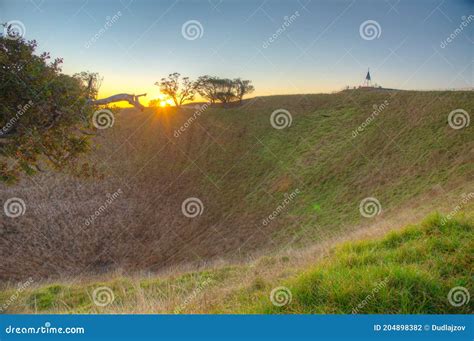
(179, 90)
(223, 90)
(211, 88)
(42, 111)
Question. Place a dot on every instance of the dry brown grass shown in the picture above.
(220, 296)
(240, 168)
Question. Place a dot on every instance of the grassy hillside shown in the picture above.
(242, 169)
(408, 271)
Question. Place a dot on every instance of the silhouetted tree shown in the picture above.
(226, 90)
(180, 91)
(207, 87)
(243, 87)
(222, 89)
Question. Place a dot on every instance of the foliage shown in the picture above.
(41, 111)
(225, 93)
(91, 81)
(207, 87)
(211, 88)
(223, 89)
(179, 90)
(242, 88)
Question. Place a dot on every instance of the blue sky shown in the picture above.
(320, 51)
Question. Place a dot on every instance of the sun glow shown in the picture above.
(166, 103)
(162, 101)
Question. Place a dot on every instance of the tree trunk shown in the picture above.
(132, 99)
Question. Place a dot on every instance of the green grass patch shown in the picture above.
(407, 272)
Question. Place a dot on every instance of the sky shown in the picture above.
(284, 47)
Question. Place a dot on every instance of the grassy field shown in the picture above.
(408, 271)
(310, 177)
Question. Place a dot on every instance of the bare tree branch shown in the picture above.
(132, 99)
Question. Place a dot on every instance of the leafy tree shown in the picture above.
(242, 88)
(42, 112)
(207, 87)
(91, 81)
(180, 91)
(226, 90)
(222, 89)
